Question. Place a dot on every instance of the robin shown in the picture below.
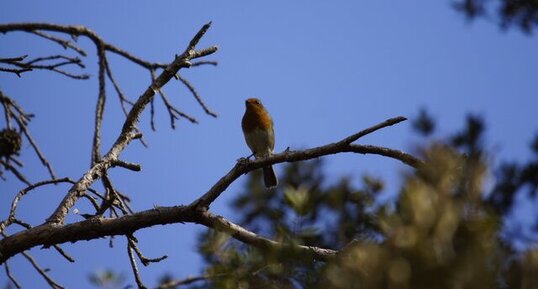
(260, 137)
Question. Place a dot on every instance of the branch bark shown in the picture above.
(128, 131)
(53, 233)
(244, 166)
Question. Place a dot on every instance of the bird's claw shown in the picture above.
(243, 161)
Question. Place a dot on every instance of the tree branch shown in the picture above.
(56, 233)
(244, 166)
(129, 128)
(100, 106)
(219, 223)
(11, 277)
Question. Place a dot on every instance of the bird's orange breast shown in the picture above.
(256, 117)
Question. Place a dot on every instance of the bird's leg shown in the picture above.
(245, 160)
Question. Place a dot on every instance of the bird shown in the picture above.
(259, 134)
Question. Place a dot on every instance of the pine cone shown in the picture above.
(10, 142)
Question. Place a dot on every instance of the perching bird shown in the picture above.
(260, 137)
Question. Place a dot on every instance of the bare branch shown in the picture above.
(189, 280)
(42, 272)
(18, 72)
(53, 233)
(145, 261)
(11, 218)
(68, 60)
(64, 43)
(11, 278)
(136, 273)
(382, 151)
(32, 64)
(196, 95)
(100, 106)
(126, 165)
(114, 198)
(204, 62)
(152, 114)
(15, 172)
(244, 166)
(123, 99)
(50, 234)
(58, 248)
(127, 134)
(40, 155)
(93, 201)
(11, 60)
(64, 254)
(172, 111)
(388, 122)
(219, 223)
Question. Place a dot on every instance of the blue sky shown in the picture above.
(323, 69)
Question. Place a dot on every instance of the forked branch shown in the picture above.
(52, 233)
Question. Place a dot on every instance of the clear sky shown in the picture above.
(324, 69)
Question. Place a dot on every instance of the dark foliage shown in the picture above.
(443, 232)
(521, 13)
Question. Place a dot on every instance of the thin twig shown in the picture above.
(42, 272)
(11, 277)
(32, 64)
(204, 62)
(64, 254)
(113, 196)
(40, 155)
(11, 60)
(15, 172)
(152, 114)
(196, 95)
(172, 111)
(189, 280)
(100, 106)
(145, 261)
(123, 99)
(126, 165)
(11, 218)
(219, 223)
(93, 201)
(69, 60)
(64, 43)
(16, 71)
(134, 266)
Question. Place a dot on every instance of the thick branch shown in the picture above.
(244, 166)
(51, 234)
(221, 224)
(93, 228)
(56, 233)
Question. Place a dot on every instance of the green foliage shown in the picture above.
(443, 232)
(440, 236)
(106, 279)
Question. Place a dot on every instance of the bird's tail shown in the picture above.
(269, 177)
